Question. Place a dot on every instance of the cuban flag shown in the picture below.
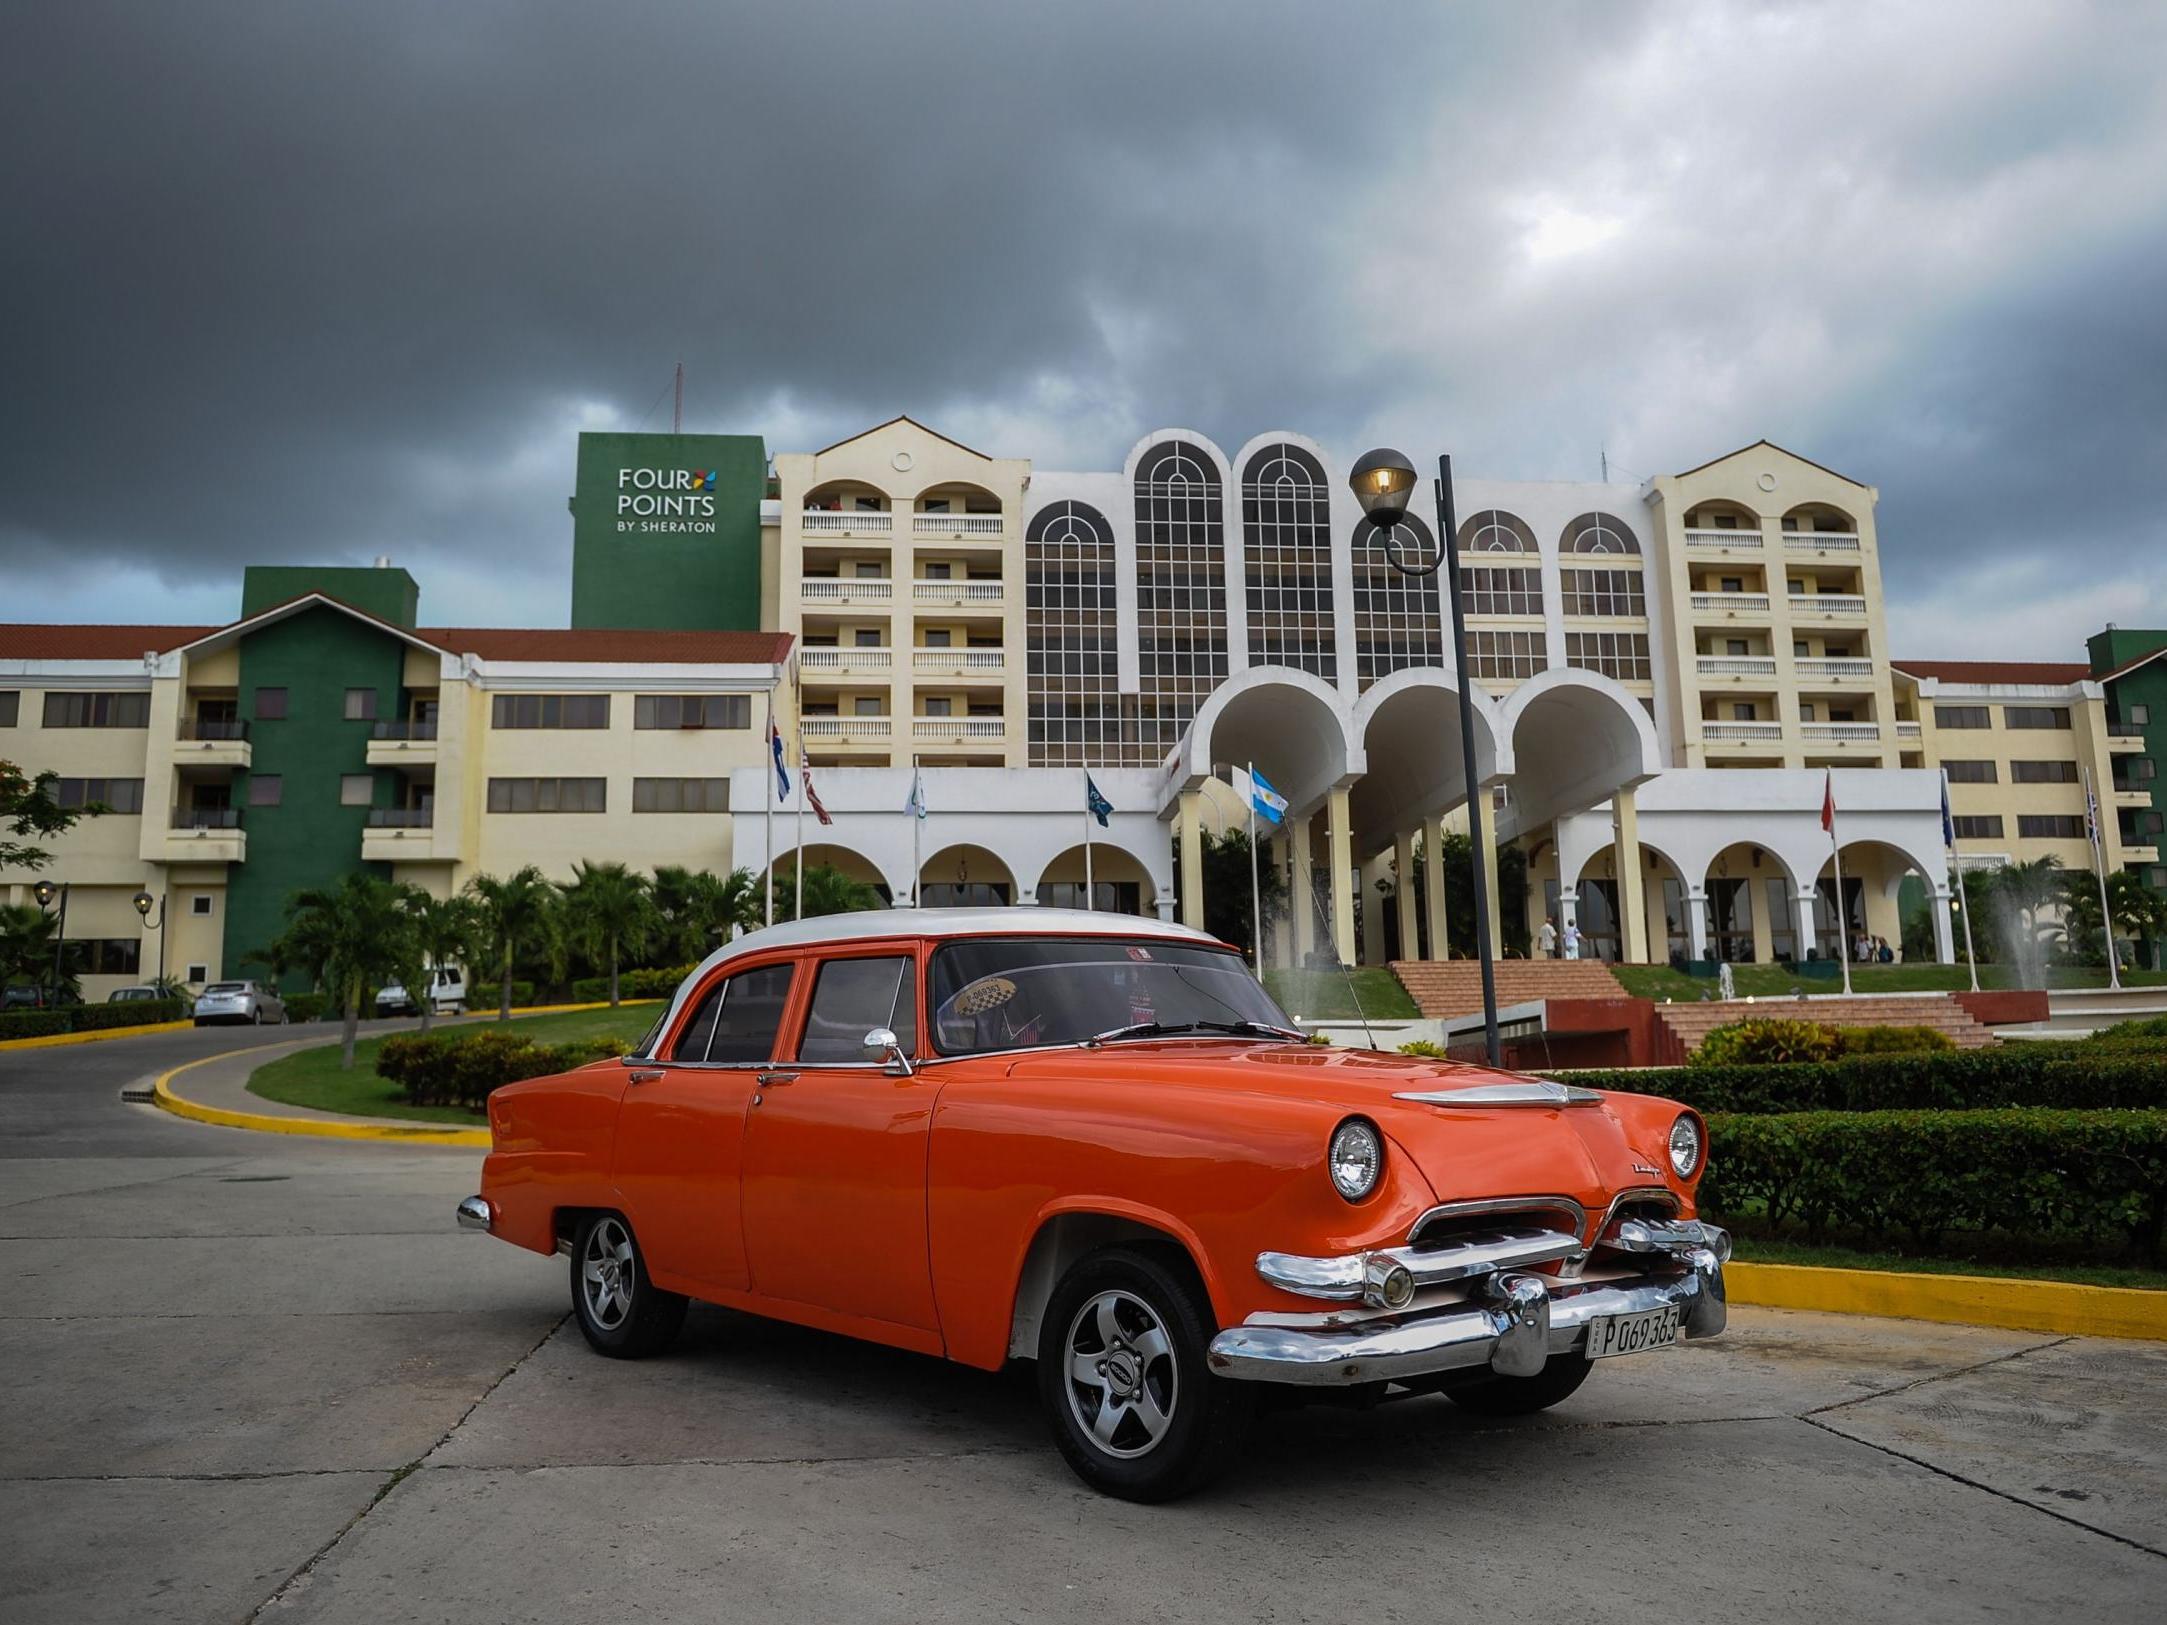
(782, 773)
(1257, 790)
(1096, 804)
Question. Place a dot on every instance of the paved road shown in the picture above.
(254, 1377)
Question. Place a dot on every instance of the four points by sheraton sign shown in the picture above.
(666, 501)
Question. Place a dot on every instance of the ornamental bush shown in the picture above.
(2094, 1176)
(446, 1070)
(1890, 1040)
(87, 1018)
(306, 1006)
(2008, 1075)
(1423, 1046)
(1766, 1039)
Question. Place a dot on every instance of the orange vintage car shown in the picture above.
(1094, 1141)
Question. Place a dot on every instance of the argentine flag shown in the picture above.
(1268, 803)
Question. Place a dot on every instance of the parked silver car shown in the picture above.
(245, 1002)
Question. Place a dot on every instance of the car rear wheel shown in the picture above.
(1121, 1372)
(1488, 1394)
(621, 1313)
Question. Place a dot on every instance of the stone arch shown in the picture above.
(1292, 724)
(837, 855)
(1577, 738)
(1113, 865)
(965, 875)
(1408, 729)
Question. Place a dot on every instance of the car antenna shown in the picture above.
(1346, 975)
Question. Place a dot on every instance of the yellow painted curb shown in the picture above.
(49, 1040)
(1970, 1300)
(519, 1010)
(324, 1128)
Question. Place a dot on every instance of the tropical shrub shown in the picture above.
(1890, 1040)
(1771, 1040)
(443, 1070)
(2035, 1075)
(86, 1018)
(1423, 1046)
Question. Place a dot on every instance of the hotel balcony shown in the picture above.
(1736, 666)
(2125, 738)
(827, 664)
(1840, 606)
(1729, 739)
(959, 730)
(959, 662)
(1723, 541)
(972, 527)
(403, 835)
(211, 742)
(402, 744)
(846, 522)
(1840, 733)
(1910, 732)
(832, 732)
(1820, 541)
(1728, 606)
(1811, 670)
(959, 594)
(846, 590)
(2130, 795)
(2147, 853)
(203, 835)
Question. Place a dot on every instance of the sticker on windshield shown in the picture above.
(1139, 953)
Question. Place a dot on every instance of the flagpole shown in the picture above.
(767, 888)
(1956, 883)
(1256, 885)
(2099, 867)
(1843, 927)
(797, 839)
(1089, 904)
(917, 790)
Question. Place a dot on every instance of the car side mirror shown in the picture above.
(896, 1063)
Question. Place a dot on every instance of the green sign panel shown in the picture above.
(666, 531)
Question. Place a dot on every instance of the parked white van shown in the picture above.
(447, 995)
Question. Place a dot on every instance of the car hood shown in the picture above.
(1572, 1142)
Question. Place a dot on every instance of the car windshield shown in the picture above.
(999, 993)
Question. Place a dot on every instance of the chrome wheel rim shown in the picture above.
(606, 1274)
(1122, 1381)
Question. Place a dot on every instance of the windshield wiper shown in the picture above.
(1161, 1029)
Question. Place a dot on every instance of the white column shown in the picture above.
(1366, 876)
(1302, 901)
(1696, 923)
(1403, 855)
(1806, 901)
(1568, 910)
(1944, 934)
(1433, 875)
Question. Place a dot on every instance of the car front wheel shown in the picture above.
(1133, 1407)
(621, 1313)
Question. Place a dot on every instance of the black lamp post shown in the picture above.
(143, 902)
(1383, 481)
(45, 891)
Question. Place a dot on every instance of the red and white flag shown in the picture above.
(812, 796)
(1828, 801)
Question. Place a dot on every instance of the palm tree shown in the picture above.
(2030, 888)
(446, 929)
(26, 942)
(518, 910)
(696, 907)
(609, 911)
(827, 891)
(355, 935)
(2139, 913)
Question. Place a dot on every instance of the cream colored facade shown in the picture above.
(895, 566)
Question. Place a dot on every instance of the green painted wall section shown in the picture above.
(308, 839)
(389, 594)
(666, 532)
(2146, 686)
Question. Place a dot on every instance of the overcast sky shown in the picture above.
(300, 283)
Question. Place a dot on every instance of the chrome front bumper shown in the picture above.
(1511, 1321)
(474, 1214)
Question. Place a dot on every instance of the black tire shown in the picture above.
(1201, 1418)
(1488, 1394)
(631, 1318)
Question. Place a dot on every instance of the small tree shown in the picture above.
(355, 935)
(514, 912)
(28, 807)
(827, 891)
(1229, 912)
(2030, 888)
(695, 909)
(26, 942)
(445, 929)
(608, 912)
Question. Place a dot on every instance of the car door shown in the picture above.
(835, 1149)
(681, 1127)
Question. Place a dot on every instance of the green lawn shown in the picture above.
(1318, 995)
(1761, 981)
(312, 1077)
(1754, 1251)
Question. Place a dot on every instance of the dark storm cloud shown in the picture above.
(295, 282)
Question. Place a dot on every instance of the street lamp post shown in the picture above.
(143, 902)
(45, 891)
(1383, 480)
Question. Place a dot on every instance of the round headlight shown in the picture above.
(1685, 1147)
(1357, 1158)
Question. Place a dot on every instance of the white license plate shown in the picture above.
(1632, 1334)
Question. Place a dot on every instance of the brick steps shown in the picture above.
(1693, 1022)
(1453, 987)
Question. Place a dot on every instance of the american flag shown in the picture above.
(812, 796)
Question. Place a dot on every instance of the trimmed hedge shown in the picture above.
(91, 1018)
(488, 995)
(2032, 1173)
(1769, 1040)
(441, 1070)
(1952, 1080)
(306, 1006)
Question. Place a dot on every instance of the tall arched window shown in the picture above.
(1600, 577)
(1599, 533)
(1287, 534)
(1395, 616)
(1180, 589)
(1070, 617)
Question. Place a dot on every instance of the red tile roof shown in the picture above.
(1996, 671)
(28, 640)
(21, 640)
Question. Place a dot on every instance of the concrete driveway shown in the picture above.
(259, 1377)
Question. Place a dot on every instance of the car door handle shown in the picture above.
(647, 1076)
(770, 1079)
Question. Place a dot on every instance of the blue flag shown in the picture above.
(1948, 824)
(1095, 804)
(1257, 790)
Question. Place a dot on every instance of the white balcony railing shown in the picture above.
(1732, 603)
(958, 592)
(820, 660)
(957, 524)
(1909, 730)
(1846, 604)
(1841, 733)
(1738, 733)
(823, 522)
(1821, 541)
(962, 728)
(1737, 665)
(1820, 670)
(1712, 541)
(846, 590)
(847, 728)
(959, 660)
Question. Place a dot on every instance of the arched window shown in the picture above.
(1396, 620)
(1490, 585)
(1287, 533)
(1495, 531)
(1180, 590)
(1070, 618)
(1599, 533)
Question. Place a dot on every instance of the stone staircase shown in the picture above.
(1690, 1023)
(1453, 987)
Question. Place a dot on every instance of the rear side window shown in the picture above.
(851, 998)
(738, 1018)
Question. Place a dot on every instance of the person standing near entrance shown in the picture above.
(1572, 939)
(1546, 940)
